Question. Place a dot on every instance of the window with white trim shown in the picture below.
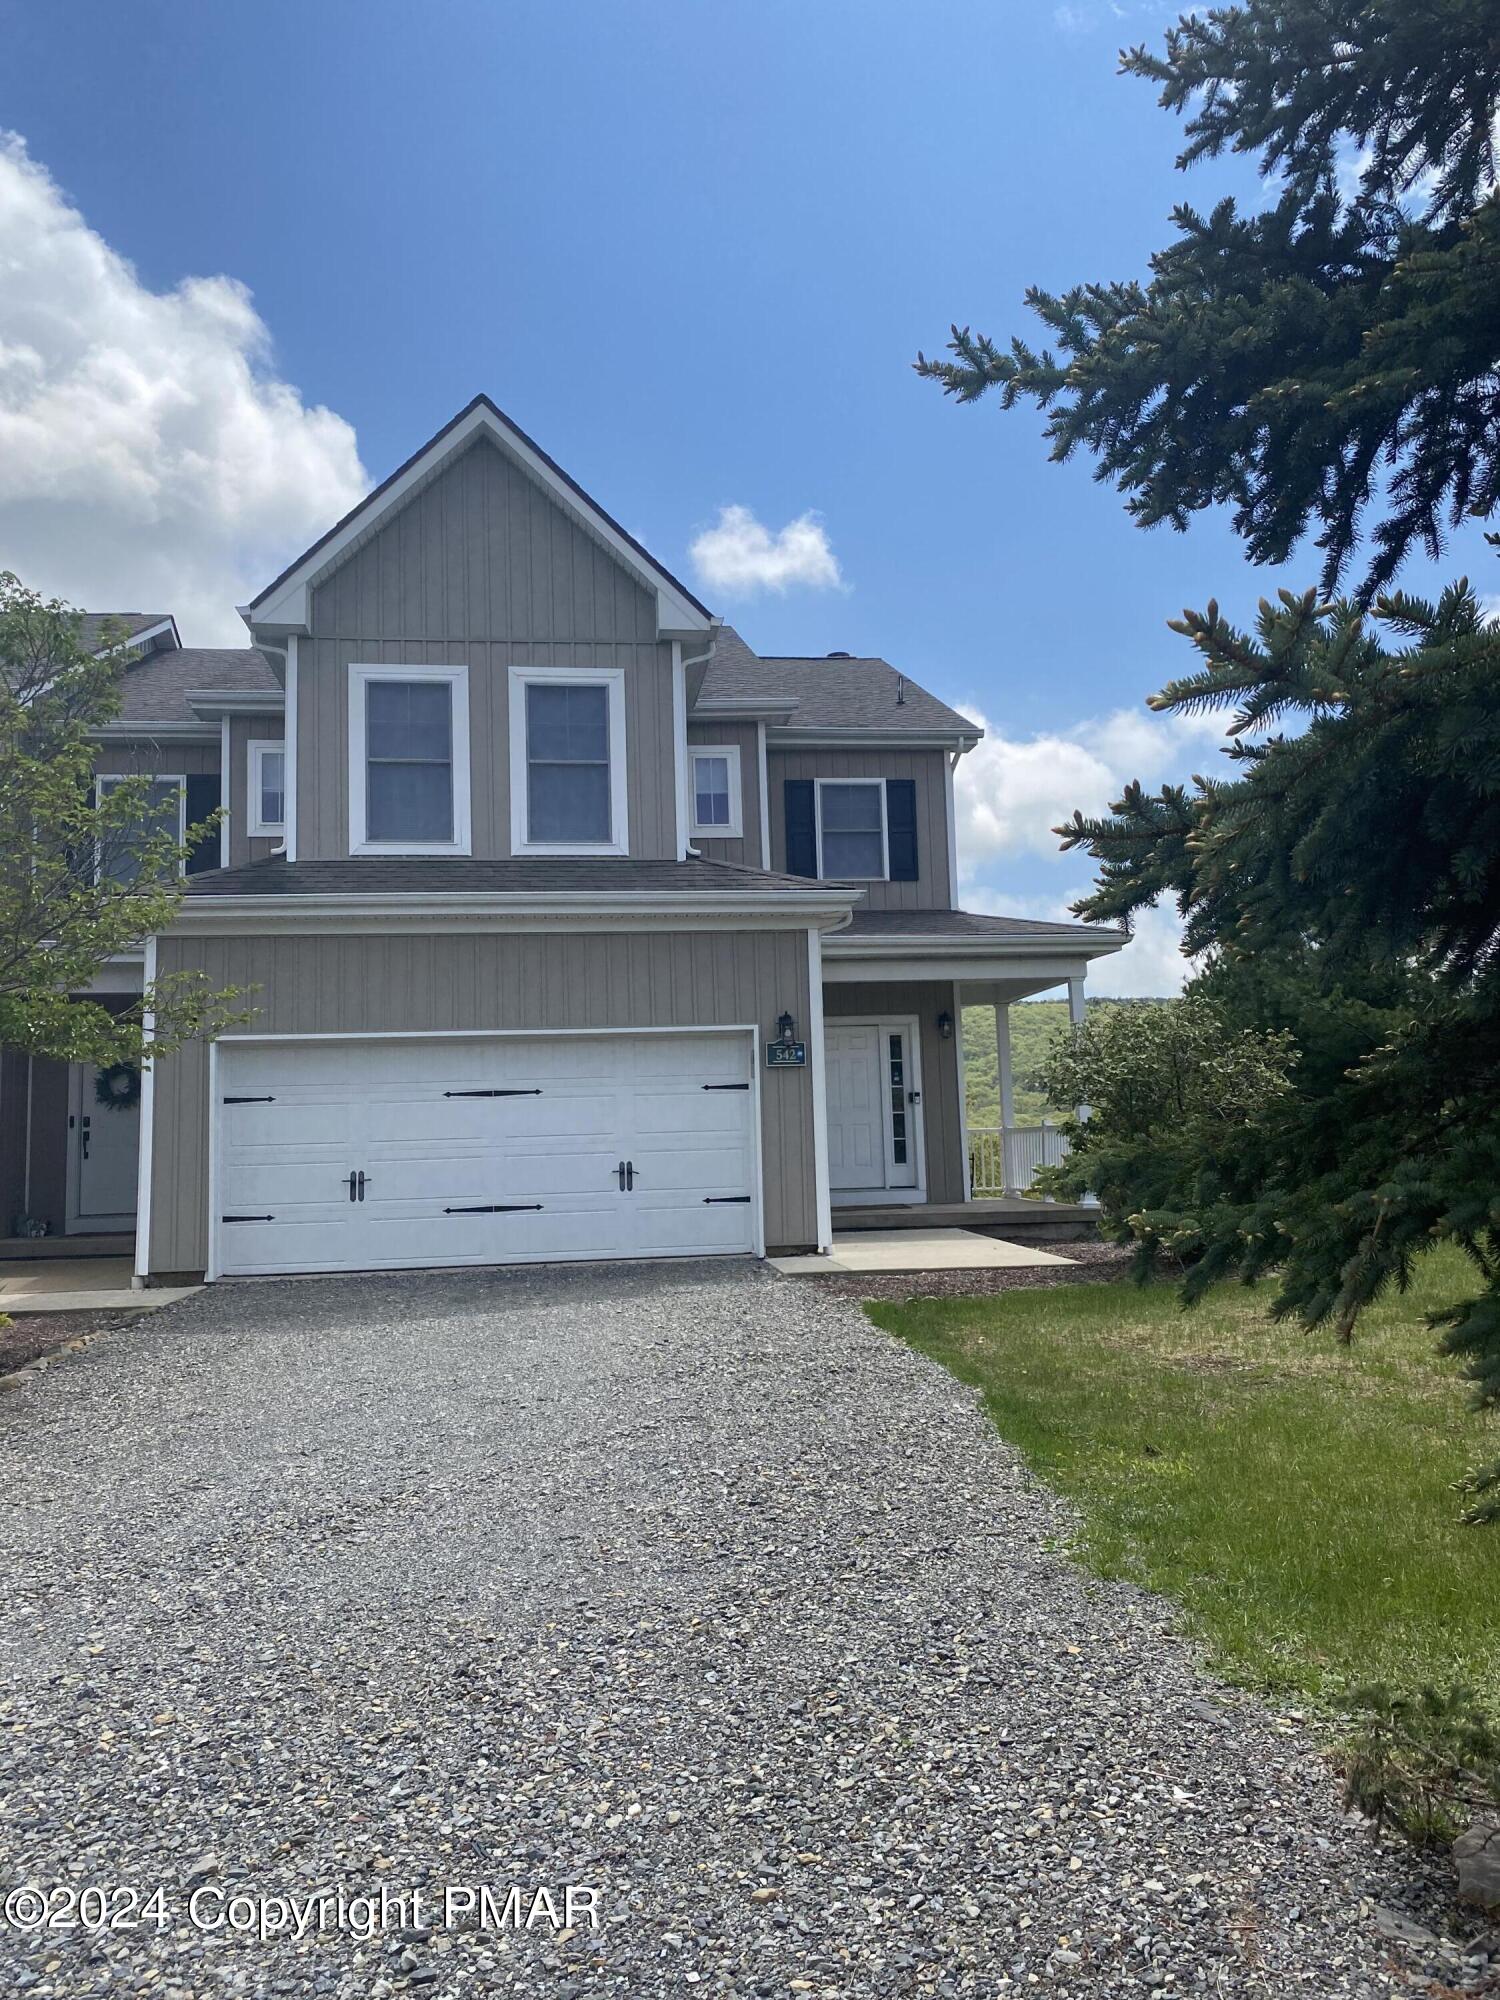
(716, 791)
(267, 789)
(567, 760)
(851, 830)
(408, 760)
(118, 859)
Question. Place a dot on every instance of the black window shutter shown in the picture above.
(901, 827)
(203, 798)
(801, 831)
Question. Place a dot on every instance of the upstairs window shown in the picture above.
(851, 830)
(568, 761)
(119, 856)
(408, 760)
(267, 789)
(716, 792)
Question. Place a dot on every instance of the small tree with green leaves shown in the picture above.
(85, 872)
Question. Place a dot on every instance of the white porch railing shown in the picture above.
(1004, 1159)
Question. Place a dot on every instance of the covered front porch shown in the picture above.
(901, 1148)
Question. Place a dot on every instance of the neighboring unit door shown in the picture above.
(103, 1150)
(874, 1118)
(405, 1153)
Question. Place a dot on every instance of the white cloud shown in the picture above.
(150, 459)
(1489, 608)
(1010, 792)
(739, 555)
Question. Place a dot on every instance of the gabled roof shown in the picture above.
(141, 628)
(819, 693)
(282, 605)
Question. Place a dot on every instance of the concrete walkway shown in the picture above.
(81, 1284)
(896, 1250)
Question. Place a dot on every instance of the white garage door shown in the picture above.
(370, 1155)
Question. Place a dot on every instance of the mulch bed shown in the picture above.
(1088, 1264)
(32, 1334)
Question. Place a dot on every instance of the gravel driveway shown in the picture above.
(681, 1583)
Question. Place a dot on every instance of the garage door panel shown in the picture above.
(453, 1177)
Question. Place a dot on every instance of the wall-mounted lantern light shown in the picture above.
(786, 1030)
(945, 1026)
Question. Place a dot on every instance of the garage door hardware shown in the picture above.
(247, 1218)
(626, 1173)
(726, 1086)
(497, 1208)
(492, 1093)
(735, 1198)
(357, 1186)
(249, 1100)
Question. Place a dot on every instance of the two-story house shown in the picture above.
(572, 927)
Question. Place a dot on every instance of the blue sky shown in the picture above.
(693, 249)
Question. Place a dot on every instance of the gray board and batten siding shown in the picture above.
(442, 982)
(744, 737)
(482, 569)
(925, 768)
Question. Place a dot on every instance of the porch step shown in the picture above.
(1014, 1220)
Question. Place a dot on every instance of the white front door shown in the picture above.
(103, 1148)
(874, 1108)
(373, 1154)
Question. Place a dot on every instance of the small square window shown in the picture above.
(716, 813)
(267, 789)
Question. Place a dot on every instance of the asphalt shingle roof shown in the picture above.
(895, 924)
(377, 875)
(865, 693)
(155, 689)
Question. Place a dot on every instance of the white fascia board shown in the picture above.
(214, 703)
(288, 608)
(155, 732)
(726, 708)
(842, 970)
(803, 737)
(165, 629)
(550, 912)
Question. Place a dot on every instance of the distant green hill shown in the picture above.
(1034, 1026)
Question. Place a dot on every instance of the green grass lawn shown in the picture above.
(1295, 1496)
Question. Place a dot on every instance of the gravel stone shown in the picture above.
(682, 1583)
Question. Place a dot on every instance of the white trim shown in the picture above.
(360, 675)
(734, 829)
(681, 769)
(888, 1195)
(289, 839)
(811, 738)
(154, 732)
(213, 1259)
(612, 679)
(167, 625)
(226, 793)
(765, 796)
(821, 1194)
(147, 1141)
(942, 967)
(211, 702)
(177, 778)
(963, 1091)
(286, 603)
(876, 785)
(258, 748)
(271, 915)
(950, 766)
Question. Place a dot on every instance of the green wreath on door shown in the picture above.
(118, 1087)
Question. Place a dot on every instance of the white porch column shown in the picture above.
(1007, 1090)
(1075, 1016)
